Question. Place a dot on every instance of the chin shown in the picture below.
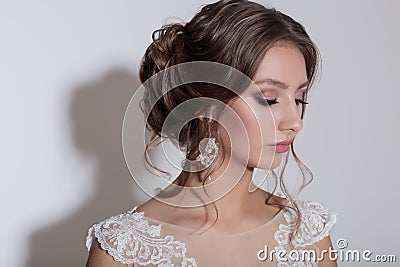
(271, 163)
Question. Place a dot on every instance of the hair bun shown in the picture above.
(165, 50)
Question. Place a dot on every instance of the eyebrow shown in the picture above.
(280, 84)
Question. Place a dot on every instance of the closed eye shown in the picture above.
(269, 102)
(301, 101)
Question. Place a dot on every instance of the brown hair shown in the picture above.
(236, 33)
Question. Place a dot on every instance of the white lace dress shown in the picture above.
(132, 238)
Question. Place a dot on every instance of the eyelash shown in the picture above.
(268, 102)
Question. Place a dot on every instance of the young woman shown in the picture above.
(250, 68)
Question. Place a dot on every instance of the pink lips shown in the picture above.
(283, 146)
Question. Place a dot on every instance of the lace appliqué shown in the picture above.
(128, 238)
(316, 223)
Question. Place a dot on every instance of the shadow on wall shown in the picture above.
(96, 112)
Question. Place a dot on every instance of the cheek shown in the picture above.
(255, 128)
(246, 133)
(251, 131)
(237, 127)
(261, 129)
(260, 125)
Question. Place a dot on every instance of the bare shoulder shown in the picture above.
(189, 217)
(156, 209)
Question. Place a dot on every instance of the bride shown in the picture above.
(229, 88)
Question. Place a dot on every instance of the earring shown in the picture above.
(208, 151)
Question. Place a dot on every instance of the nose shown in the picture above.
(290, 117)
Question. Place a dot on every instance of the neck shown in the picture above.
(229, 189)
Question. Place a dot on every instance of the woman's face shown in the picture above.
(268, 112)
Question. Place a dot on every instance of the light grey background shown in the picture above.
(69, 68)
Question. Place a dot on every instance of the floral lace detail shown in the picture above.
(128, 238)
(316, 222)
